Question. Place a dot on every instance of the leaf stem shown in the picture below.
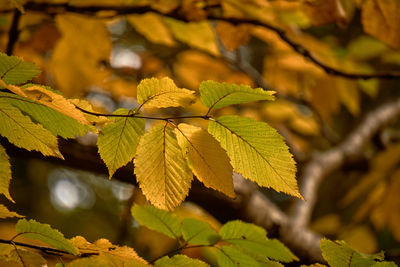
(134, 115)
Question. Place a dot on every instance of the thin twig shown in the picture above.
(135, 115)
(126, 10)
(13, 34)
(43, 249)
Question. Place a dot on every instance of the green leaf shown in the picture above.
(231, 257)
(158, 220)
(384, 264)
(196, 34)
(161, 170)
(252, 240)
(163, 93)
(180, 261)
(5, 213)
(22, 132)
(54, 121)
(218, 95)
(338, 254)
(15, 71)
(196, 232)
(106, 260)
(257, 151)
(117, 141)
(241, 230)
(43, 232)
(5, 174)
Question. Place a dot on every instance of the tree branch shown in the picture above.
(326, 162)
(13, 33)
(54, 9)
(43, 249)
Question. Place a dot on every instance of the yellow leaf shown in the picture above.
(5, 173)
(161, 170)
(152, 27)
(22, 132)
(204, 67)
(75, 61)
(5, 213)
(84, 104)
(381, 20)
(27, 258)
(162, 93)
(206, 158)
(54, 101)
(104, 246)
(196, 34)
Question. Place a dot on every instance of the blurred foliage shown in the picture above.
(103, 56)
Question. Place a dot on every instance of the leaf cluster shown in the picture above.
(169, 153)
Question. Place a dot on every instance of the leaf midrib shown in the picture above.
(252, 147)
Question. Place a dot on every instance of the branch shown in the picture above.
(324, 163)
(13, 33)
(54, 9)
(43, 249)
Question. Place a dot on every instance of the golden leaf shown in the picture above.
(161, 170)
(206, 158)
(162, 93)
(381, 20)
(153, 28)
(75, 64)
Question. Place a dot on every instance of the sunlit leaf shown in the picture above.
(5, 173)
(206, 158)
(257, 151)
(161, 170)
(218, 95)
(22, 132)
(5, 213)
(15, 71)
(27, 258)
(44, 233)
(158, 220)
(196, 232)
(152, 27)
(232, 257)
(106, 260)
(179, 261)
(117, 141)
(163, 93)
(252, 239)
(338, 254)
(57, 123)
(53, 100)
(196, 34)
(104, 246)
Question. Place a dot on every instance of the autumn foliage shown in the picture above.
(190, 129)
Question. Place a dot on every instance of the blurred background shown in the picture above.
(101, 54)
